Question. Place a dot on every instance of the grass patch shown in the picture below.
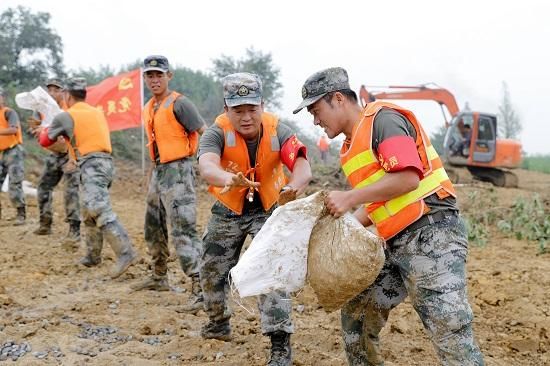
(539, 163)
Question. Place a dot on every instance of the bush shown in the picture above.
(540, 163)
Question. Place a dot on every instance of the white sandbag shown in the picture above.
(344, 259)
(39, 100)
(277, 257)
(28, 189)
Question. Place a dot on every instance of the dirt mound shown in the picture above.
(73, 316)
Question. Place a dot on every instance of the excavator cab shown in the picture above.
(471, 138)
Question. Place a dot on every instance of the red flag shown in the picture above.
(119, 97)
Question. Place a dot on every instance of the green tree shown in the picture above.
(30, 50)
(256, 62)
(202, 89)
(509, 124)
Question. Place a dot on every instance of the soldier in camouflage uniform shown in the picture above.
(241, 157)
(389, 160)
(12, 158)
(52, 174)
(173, 125)
(88, 127)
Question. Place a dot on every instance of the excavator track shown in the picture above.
(498, 177)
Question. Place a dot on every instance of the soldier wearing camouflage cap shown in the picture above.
(173, 126)
(87, 127)
(400, 186)
(12, 157)
(52, 174)
(241, 156)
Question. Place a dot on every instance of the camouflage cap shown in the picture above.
(155, 63)
(242, 88)
(2, 91)
(321, 83)
(76, 83)
(55, 82)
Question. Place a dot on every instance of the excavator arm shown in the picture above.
(439, 95)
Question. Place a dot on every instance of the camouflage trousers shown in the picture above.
(96, 176)
(223, 241)
(51, 176)
(12, 163)
(171, 200)
(427, 264)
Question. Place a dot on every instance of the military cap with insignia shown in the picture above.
(155, 63)
(242, 88)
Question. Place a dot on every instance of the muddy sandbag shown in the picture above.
(344, 259)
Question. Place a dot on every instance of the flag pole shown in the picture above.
(142, 123)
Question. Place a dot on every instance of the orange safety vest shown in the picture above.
(268, 169)
(323, 144)
(163, 129)
(362, 168)
(91, 131)
(8, 141)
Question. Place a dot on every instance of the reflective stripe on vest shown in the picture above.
(362, 168)
(366, 158)
(427, 186)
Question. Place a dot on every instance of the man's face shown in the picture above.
(327, 116)
(157, 81)
(56, 93)
(246, 119)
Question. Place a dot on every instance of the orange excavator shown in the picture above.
(471, 137)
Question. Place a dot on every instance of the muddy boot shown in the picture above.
(217, 330)
(124, 261)
(153, 283)
(90, 261)
(94, 245)
(73, 236)
(281, 353)
(45, 227)
(20, 218)
(196, 300)
(118, 238)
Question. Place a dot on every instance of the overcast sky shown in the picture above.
(468, 47)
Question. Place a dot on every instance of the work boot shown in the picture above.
(123, 262)
(45, 227)
(153, 283)
(20, 218)
(73, 236)
(281, 353)
(196, 300)
(120, 242)
(94, 245)
(220, 330)
(90, 261)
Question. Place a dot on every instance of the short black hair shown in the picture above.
(78, 94)
(348, 93)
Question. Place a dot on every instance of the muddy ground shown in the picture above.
(69, 315)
